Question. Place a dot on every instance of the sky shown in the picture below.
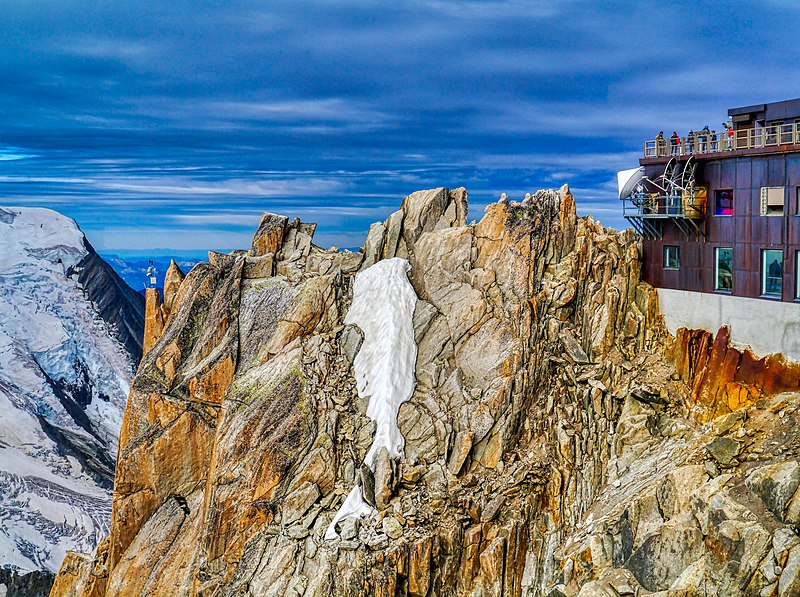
(174, 125)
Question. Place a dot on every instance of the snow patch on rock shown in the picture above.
(383, 308)
(354, 506)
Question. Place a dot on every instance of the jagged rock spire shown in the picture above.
(172, 281)
(269, 236)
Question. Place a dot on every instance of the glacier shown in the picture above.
(64, 381)
(383, 308)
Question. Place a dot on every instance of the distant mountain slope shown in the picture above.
(116, 302)
(70, 337)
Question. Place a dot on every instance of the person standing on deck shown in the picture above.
(729, 129)
(702, 140)
(674, 141)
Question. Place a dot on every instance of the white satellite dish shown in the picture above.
(627, 181)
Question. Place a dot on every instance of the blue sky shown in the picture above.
(175, 124)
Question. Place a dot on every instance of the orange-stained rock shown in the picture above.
(723, 378)
(419, 567)
(174, 458)
(269, 236)
(150, 566)
(82, 575)
(211, 386)
(73, 576)
(153, 319)
(172, 282)
(162, 410)
(492, 560)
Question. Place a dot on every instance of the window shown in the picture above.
(772, 201)
(723, 202)
(723, 269)
(672, 257)
(772, 272)
(797, 201)
(797, 275)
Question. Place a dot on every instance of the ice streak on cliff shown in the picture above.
(383, 308)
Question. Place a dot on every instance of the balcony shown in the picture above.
(776, 136)
(647, 212)
(673, 197)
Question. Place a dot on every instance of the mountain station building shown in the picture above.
(719, 213)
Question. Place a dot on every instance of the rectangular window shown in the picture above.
(772, 199)
(723, 269)
(772, 272)
(672, 257)
(723, 202)
(797, 201)
(797, 275)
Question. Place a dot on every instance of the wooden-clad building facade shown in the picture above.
(720, 211)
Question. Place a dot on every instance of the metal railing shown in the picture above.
(721, 141)
(648, 212)
(663, 206)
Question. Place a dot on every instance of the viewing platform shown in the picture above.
(670, 195)
(686, 211)
(779, 138)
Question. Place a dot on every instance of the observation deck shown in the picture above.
(758, 140)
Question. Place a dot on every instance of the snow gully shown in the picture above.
(383, 308)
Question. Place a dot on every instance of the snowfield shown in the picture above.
(383, 308)
(64, 380)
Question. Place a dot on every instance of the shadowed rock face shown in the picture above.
(550, 447)
(115, 301)
(31, 584)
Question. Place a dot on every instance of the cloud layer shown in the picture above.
(174, 125)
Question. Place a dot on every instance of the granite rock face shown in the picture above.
(725, 379)
(551, 447)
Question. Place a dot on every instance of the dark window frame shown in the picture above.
(797, 275)
(677, 258)
(797, 200)
(717, 287)
(717, 213)
(778, 292)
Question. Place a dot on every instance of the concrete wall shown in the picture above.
(766, 326)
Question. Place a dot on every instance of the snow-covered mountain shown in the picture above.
(70, 336)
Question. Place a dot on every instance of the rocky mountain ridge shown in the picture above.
(551, 445)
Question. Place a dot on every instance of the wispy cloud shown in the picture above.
(186, 124)
(10, 154)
